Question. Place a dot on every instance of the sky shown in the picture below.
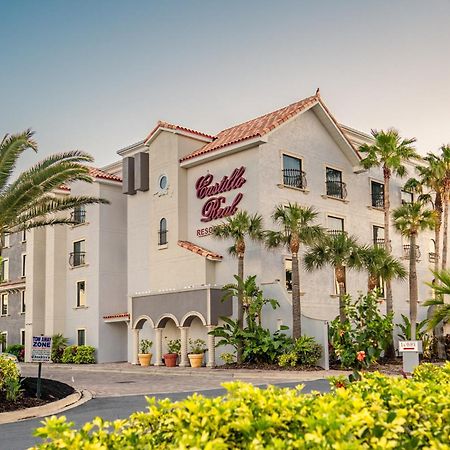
(97, 75)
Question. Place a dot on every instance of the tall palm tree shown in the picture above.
(389, 152)
(380, 265)
(441, 313)
(296, 227)
(339, 251)
(444, 160)
(29, 200)
(410, 219)
(238, 228)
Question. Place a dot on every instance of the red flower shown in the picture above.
(361, 355)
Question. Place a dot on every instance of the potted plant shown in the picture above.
(173, 350)
(145, 357)
(198, 348)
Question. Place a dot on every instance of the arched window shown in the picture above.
(162, 232)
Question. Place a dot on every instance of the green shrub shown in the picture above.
(69, 354)
(305, 352)
(378, 412)
(59, 344)
(13, 389)
(85, 355)
(17, 350)
(8, 371)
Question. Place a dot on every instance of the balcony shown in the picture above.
(432, 257)
(336, 189)
(407, 251)
(378, 242)
(336, 232)
(77, 259)
(294, 178)
(162, 237)
(78, 217)
(378, 200)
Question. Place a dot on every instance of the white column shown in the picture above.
(211, 348)
(184, 361)
(158, 347)
(135, 345)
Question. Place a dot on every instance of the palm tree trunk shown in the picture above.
(445, 234)
(240, 306)
(296, 306)
(390, 352)
(372, 282)
(413, 288)
(339, 272)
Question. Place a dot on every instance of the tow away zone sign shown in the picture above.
(41, 350)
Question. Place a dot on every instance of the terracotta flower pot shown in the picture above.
(145, 359)
(196, 359)
(170, 359)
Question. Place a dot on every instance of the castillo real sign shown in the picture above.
(215, 206)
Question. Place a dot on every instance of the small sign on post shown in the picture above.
(41, 351)
(410, 352)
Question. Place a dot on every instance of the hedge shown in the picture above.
(377, 412)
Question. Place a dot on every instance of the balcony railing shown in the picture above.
(162, 237)
(336, 232)
(432, 257)
(377, 200)
(77, 259)
(294, 178)
(336, 189)
(378, 242)
(407, 251)
(78, 217)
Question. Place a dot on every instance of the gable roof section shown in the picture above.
(97, 173)
(170, 126)
(200, 251)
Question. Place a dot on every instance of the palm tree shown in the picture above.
(237, 228)
(339, 251)
(410, 219)
(444, 161)
(389, 152)
(29, 200)
(296, 227)
(441, 313)
(381, 266)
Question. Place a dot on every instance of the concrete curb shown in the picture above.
(71, 401)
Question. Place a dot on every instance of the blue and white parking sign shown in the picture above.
(41, 350)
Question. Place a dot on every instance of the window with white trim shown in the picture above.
(81, 336)
(22, 302)
(6, 240)
(406, 197)
(162, 234)
(4, 341)
(24, 235)
(293, 175)
(22, 336)
(4, 304)
(4, 270)
(81, 294)
(24, 264)
(335, 225)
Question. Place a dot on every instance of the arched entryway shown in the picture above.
(143, 328)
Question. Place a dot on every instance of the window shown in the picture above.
(4, 304)
(335, 187)
(335, 225)
(24, 235)
(432, 253)
(4, 270)
(378, 235)
(81, 294)
(22, 336)
(293, 175)
(407, 197)
(81, 336)
(24, 264)
(77, 257)
(6, 240)
(3, 341)
(377, 190)
(79, 215)
(22, 302)
(163, 183)
(162, 232)
(288, 274)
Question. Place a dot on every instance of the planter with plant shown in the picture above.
(173, 350)
(145, 357)
(198, 348)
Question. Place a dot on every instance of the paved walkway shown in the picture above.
(120, 379)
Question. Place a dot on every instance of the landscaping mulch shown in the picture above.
(265, 366)
(51, 390)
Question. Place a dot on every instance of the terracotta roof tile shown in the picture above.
(200, 250)
(97, 173)
(171, 126)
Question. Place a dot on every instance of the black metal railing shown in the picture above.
(294, 178)
(77, 259)
(78, 217)
(377, 200)
(336, 232)
(336, 189)
(432, 257)
(407, 251)
(378, 242)
(162, 237)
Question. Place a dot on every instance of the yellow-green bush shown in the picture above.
(8, 371)
(378, 412)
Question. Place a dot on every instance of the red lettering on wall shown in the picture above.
(212, 208)
(204, 187)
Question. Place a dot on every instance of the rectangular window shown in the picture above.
(293, 175)
(3, 341)
(81, 336)
(4, 304)
(78, 254)
(407, 197)
(377, 190)
(24, 264)
(22, 336)
(81, 294)
(79, 214)
(335, 187)
(4, 270)
(378, 235)
(6, 240)
(335, 225)
(24, 235)
(288, 274)
(22, 302)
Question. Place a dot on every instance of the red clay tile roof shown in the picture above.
(97, 173)
(200, 250)
(117, 316)
(171, 126)
(255, 127)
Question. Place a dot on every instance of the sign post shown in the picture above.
(41, 351)
(410, 352)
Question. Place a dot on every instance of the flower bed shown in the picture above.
(377, 412)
